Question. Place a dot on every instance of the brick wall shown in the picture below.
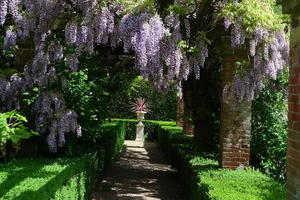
(235, 126)
(293, 172)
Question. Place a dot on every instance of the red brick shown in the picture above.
(294, 135)
(295, 144)
(292, 171)
(294, 89)
(294, 71)
(294, 80)
(294, 117)
(294, 154)
(294, 107)
(293, 98)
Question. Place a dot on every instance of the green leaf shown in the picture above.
(35, 89)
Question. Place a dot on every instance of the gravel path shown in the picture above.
(142, 173)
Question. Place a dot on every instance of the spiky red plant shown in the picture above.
(140, 104)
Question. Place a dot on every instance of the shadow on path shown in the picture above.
(142, 173)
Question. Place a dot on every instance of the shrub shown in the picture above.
(12, 129)
(63, 178)
(269, 129)
(87, 99)
(113, 136)
(203, 179)
(45, 179)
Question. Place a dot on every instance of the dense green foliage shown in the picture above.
(63, 178)
(204, 180)
(87, 99)
(162, 103)
(255, 13)
(12, 129)
(269, 129)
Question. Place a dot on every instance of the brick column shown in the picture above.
(293, 168)
(180, 112)
(183, 117)
(235, 127)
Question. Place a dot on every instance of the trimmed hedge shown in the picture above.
(204, 180)
(151, 128)
(113, 136)
(63, 178)
(46, 179)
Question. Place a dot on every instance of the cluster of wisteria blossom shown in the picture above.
(268, 48)
(38, 17)
(269, 53)
(52, 114)
(153, 40)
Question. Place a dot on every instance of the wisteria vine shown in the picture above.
(165, 47)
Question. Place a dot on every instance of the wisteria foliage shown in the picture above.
(153, 40)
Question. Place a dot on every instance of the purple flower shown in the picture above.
(3, 11)
(10, 39)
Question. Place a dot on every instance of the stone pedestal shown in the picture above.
(140, 115)
(293, 168)
(140, 132)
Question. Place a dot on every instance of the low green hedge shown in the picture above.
(63, 178)
(151, 128)
(204, 180)
(113, 136)
(45, 179)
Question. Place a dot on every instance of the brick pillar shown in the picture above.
(188, 127)
(235, 117)
(293, 155)
(183, 117)
(180, 112)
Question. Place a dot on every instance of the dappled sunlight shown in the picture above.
(141, 173)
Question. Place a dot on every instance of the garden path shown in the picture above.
(142, 173)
